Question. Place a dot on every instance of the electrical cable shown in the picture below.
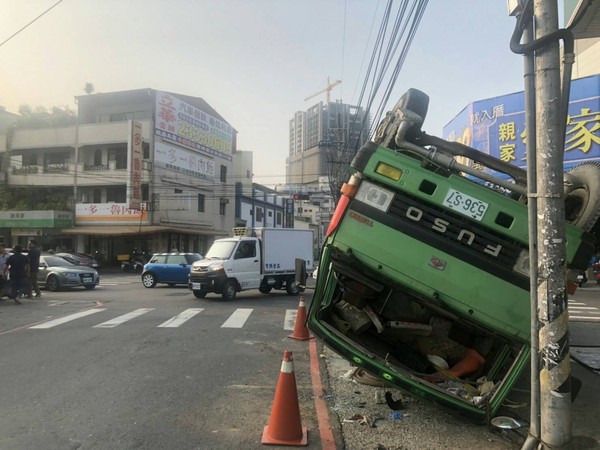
(383, 55)
(24, 27)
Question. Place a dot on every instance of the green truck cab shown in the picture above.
(423, 278)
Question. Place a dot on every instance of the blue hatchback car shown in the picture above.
(169, 268)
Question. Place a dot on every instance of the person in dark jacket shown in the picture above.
(17, 266)
(34, 267)
(3, 281)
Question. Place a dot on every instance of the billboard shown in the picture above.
(496, 126)
(187, 126)
(183, 161)
(134, 184)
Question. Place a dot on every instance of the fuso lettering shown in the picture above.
(441, 226)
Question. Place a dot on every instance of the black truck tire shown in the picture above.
(264, 288)
(582, 203)
(291, 286)
(228, 290)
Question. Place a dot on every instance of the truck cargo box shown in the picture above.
(281, 247)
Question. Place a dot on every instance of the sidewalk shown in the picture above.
(366, 422)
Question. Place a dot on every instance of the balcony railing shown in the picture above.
(24, 170)
(94, 168)
(56, 168)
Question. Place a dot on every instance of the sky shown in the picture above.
(253, 61)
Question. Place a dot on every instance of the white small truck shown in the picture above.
(253, 258)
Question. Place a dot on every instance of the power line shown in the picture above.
(18, 31)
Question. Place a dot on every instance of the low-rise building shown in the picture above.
(145, 169)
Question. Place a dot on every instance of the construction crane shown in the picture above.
(328, 89)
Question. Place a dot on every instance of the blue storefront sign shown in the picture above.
(497, 125)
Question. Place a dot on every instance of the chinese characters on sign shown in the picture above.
(111, 209)
(496, 126)
(109, 213)
(481, 116)
(184, 161)
(134, 187)
(582, 130)
(187, 126)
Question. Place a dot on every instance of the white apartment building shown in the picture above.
(149, 170)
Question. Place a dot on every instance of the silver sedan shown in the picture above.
(57, 273)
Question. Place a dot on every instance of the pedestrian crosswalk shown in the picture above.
(181, 318)
(236, 319)
(61, 320)
(579, 311)
(124, 318)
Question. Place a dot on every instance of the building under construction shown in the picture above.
(323, 141)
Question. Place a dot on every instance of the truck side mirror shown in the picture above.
(301, 274)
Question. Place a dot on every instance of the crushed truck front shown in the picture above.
(422, 263)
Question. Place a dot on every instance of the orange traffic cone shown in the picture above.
(300, 330)
(285, 426)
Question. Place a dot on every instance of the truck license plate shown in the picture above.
(465, 204)
(196, 286)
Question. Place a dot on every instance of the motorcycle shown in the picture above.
(581, 278)
(596, 269)
(136, 263)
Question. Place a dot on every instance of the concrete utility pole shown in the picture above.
(555, 385)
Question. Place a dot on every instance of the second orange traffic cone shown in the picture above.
(285, 426)
(300, 330)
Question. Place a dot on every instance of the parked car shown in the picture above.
(169, 268)
(57, 273)
(79, 259)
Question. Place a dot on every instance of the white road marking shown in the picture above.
(591, 319)
(65, 319)
(124, 318)
(181, 318)
(238, 318)
(290, 319)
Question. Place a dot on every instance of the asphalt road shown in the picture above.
(124, 367)
(145, 368)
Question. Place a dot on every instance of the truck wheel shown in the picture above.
(200, 294)
(291, 286)
(265, 288)
(582, 203)
(228, 290)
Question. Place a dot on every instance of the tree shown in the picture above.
(88, 88)
(34, 198)
(40, 117)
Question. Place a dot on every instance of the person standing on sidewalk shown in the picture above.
(34, 267)
(3, 281)
(17, 266)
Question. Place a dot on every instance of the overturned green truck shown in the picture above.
(423, 278)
